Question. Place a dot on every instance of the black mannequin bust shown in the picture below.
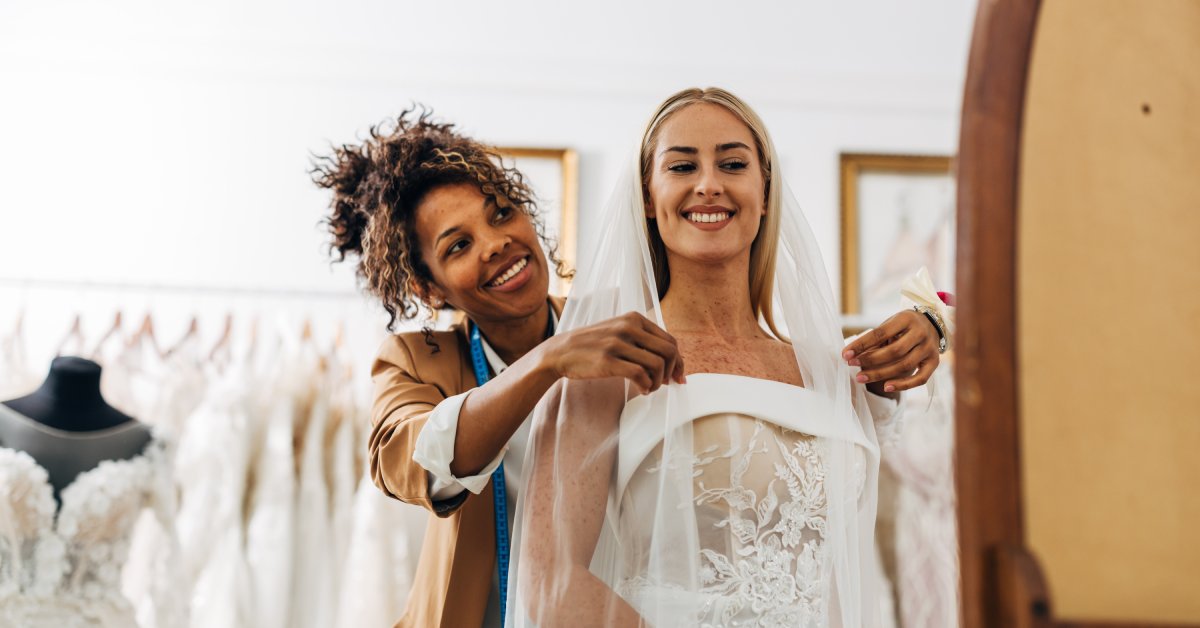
(67, 427)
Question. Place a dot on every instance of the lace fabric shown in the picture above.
(62, 566)
(925, 528)
(759, 501)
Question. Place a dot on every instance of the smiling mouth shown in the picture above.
(510, 273)
(708, 217)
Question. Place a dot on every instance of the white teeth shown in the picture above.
(718, 217)
(511, 272)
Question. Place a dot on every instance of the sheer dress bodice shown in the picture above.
(756, 451)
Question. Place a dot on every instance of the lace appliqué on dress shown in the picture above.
(764, 560)
(63, 568)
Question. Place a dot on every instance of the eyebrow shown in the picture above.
(445, 233)
(487, 205)
(692, 151)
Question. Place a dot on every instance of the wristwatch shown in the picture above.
(938, 323)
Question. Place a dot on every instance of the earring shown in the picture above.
(436, 303)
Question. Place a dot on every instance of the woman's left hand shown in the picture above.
(900, 354)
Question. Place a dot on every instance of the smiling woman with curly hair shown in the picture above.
(378, 185)
(434, 217)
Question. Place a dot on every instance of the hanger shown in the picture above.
(193, 331)
(113, 332)
(76, 334)
(222, 346)
(252, 348)
(145, 333)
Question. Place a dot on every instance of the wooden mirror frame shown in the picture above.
(1001, 582)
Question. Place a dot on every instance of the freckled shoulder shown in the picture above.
(761, 358)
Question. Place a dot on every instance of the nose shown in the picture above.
(708, 184)
(494, 243)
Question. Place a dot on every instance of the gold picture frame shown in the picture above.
(854, 170)
(553, 173)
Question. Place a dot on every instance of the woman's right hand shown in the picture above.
(629, 346)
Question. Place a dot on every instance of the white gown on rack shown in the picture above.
(16, 379)
(313, 594)
(271, 508)
(211, 466)
(60, 567)
(381, 559)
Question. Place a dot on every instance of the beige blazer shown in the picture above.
(454, 574)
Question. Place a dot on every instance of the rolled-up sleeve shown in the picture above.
(403, 405)
(435, 451)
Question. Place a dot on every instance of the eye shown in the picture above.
(503, 213)
(456, 246)
(682, 167)
(734, 164)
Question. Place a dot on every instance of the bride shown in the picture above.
(745, 496)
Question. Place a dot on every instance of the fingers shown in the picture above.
(869, 340)
(889, 353)
(903, 367)
(872, 339)
(636, 375)
(652, 364)
(665, 349)
(924, 372)
(656, 339)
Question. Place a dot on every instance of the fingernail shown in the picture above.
(847, 354)
(889, 388)
(861, 378)
(855, 363)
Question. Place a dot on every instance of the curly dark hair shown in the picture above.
(378, 184)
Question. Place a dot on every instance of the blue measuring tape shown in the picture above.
(499, 492)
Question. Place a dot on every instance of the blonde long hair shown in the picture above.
(766, 243)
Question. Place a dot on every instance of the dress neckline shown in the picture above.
(746, 378)
(42, 475)
(68, 434)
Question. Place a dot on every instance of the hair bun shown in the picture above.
(346, 173)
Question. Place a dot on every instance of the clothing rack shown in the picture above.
(190, 290)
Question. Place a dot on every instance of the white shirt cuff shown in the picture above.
(435, 451)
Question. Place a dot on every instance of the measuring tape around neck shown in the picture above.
(499, 492)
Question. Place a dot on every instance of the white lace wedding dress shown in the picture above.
(756, 510)
(60, 566)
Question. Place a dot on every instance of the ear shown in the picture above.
(428, 293)
(648, 204)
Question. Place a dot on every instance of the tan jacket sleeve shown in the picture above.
(403, 401)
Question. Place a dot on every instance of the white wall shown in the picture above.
(168, 142)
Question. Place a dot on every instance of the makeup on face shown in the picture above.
(485, 260)
(706, 185)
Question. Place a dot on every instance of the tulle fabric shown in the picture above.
(726, 500)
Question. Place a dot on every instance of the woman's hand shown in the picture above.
(629, 346)
(900, 354)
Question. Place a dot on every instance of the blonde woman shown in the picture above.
(745, 496)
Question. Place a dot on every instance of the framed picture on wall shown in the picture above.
(897, 216)
(553, 174)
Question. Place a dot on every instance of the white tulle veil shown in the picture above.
(575, 525)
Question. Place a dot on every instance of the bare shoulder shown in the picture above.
(761, 358)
